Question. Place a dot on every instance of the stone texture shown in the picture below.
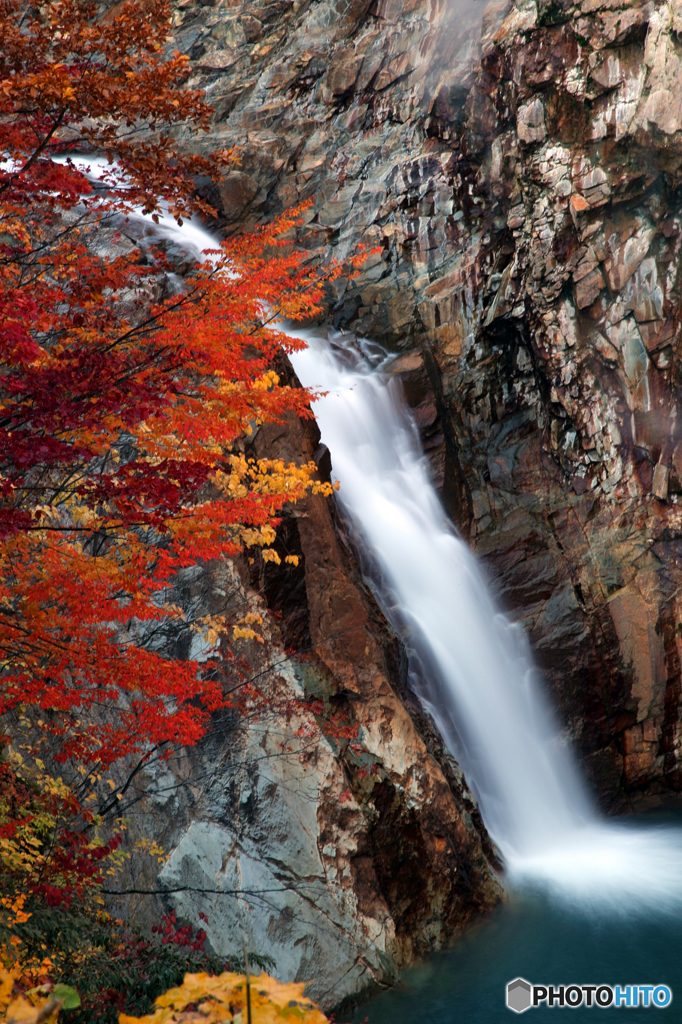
(342, 861)
(518, 165)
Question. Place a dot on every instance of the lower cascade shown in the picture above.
(481, 688)
(374, 739)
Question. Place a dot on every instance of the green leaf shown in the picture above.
(68, 995)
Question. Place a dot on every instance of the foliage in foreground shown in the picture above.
(53, 923)
(123, 400)
(226, 998)
(201, 998)
(127, 397)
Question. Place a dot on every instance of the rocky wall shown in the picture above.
(517, 166)
(565, 386)
(321, 824)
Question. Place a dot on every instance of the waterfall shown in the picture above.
(480, 688)
(478, 680)
(481, 693)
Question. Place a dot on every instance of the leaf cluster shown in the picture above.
(122, 971)
(40, 1005)
(225, 998)
(123, 402)
(127, 396)
(53, 925)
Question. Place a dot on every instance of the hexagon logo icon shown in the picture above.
(518, 995)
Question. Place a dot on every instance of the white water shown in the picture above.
(485, 689)
(477, 677)
(480, 685)
(191, 236)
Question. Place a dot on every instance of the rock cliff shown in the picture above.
(328, 830)
(518, 167)
(568, 403)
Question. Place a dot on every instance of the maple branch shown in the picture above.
(119, 791)
(239, 893)
(37, 152)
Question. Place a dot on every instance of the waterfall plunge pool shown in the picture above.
(591, 901)
(546, 941)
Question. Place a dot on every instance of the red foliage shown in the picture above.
(120, 404)
(78, 864)
(48, 857)
(185, 936)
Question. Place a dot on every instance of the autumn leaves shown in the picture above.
(125, 402)
(121, 401)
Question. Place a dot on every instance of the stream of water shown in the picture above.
(481, 690)
(590, 899)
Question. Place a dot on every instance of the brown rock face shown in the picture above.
(420, 859)
(565, 398)
(335, 811)
(521, 177)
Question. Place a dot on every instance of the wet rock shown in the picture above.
(519, 167)
(659, 487)
(343, 861)
(343, 74)
(236, 192)
(530, 122)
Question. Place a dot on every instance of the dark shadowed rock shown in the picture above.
(518, 166)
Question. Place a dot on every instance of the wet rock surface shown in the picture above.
(328, 830)
(567, 406)
(517, 166)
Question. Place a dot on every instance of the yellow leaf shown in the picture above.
(223, 999)
(21, 1012)
(6, 986)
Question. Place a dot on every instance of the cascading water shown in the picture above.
(481, 689)
(482, 692)
(484, 700)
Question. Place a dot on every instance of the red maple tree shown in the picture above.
(121, 401)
